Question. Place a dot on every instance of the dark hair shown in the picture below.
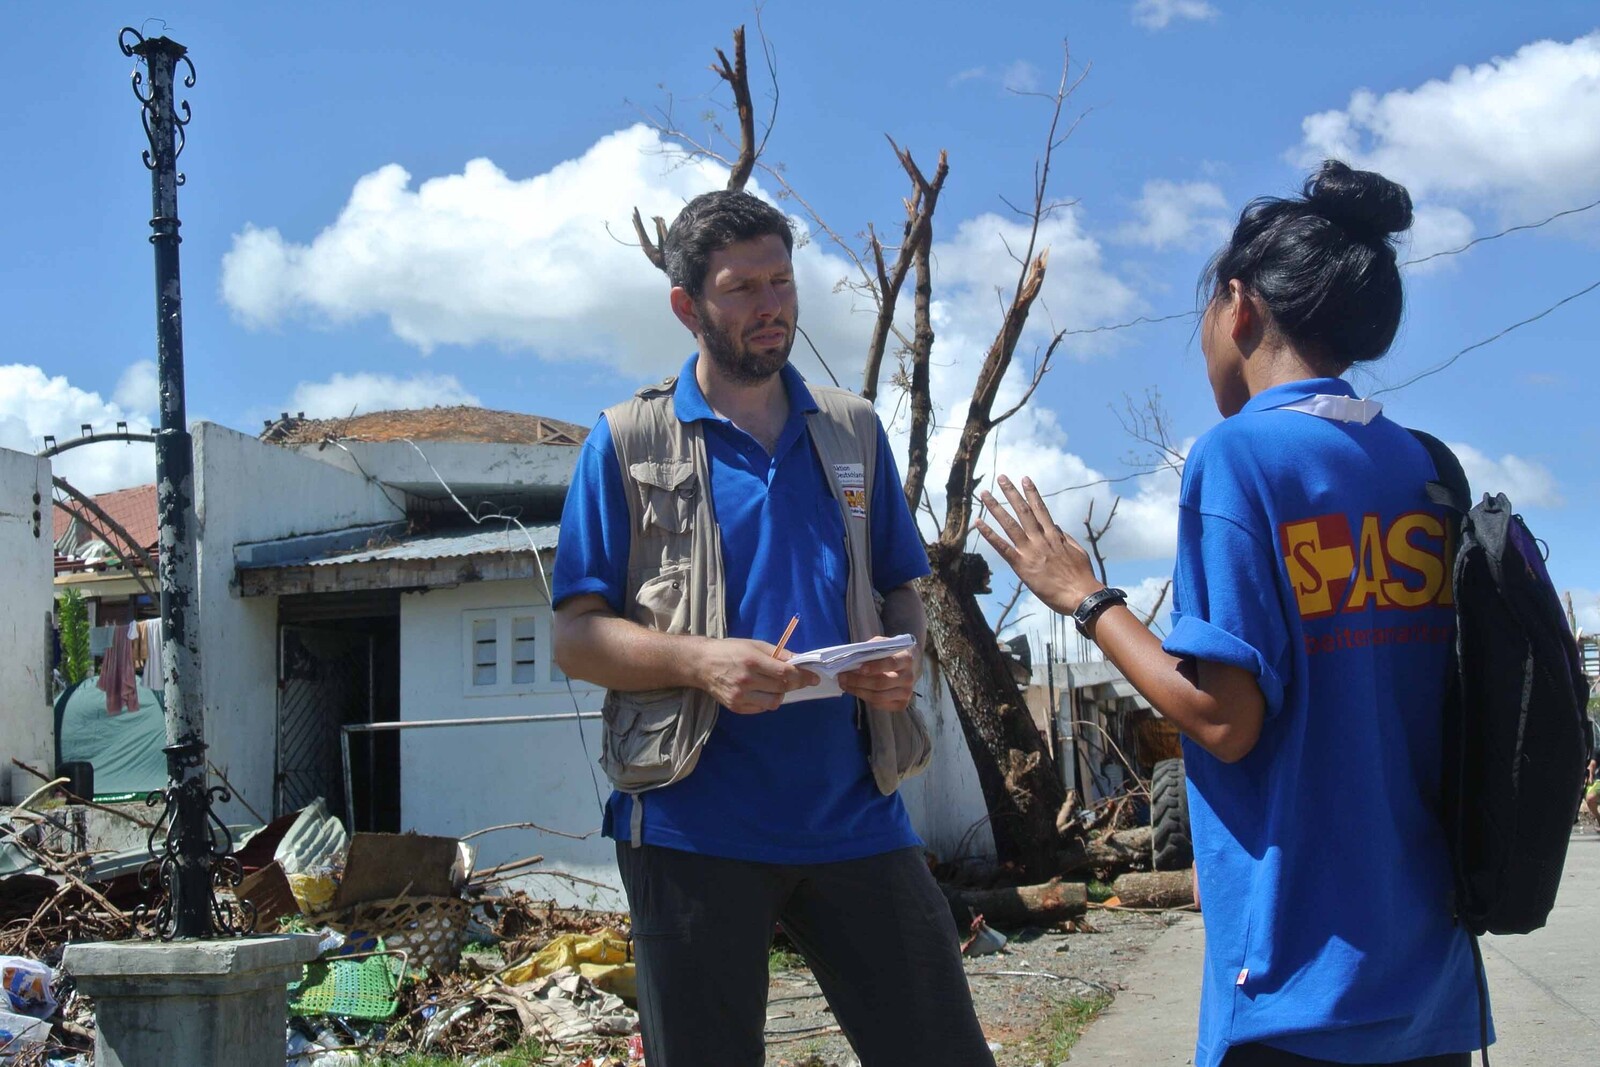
(1323, 263)
(712, 221)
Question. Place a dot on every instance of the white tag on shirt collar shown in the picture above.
(1337, 408)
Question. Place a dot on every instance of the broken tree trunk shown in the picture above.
(1155, 889)
(1015, 770)
(1023, 905)
(1123, 850)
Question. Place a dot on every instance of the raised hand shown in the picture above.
(1053, 566)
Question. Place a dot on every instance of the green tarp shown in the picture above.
(125, 749)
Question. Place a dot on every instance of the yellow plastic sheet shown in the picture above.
(313, 892)
(601, 957)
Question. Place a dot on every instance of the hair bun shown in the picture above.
(1362, 201)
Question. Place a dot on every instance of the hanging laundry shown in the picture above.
(140, 649)
(151, 677)
(100, 640)
(117, 678)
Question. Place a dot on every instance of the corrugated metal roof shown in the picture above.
(485, 540)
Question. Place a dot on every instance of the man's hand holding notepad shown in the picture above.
(828, 663)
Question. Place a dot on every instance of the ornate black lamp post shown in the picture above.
(195, 854)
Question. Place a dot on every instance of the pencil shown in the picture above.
(787, 633)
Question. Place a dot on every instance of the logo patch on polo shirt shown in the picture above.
(853, 482)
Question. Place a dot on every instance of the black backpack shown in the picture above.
(1517, 736)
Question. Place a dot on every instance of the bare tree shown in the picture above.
(1015, 770)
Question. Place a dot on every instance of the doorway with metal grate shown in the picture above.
(338, 663)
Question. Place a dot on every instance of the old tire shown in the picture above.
(1169, 817)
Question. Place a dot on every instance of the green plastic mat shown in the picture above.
(367, 988)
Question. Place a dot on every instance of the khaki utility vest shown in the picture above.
(675, 581)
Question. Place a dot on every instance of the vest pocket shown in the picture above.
(668, 490)
(662, 602)
(641, 728)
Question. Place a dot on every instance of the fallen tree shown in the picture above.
(1023, 905)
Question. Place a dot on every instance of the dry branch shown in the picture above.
(917, 236)
(1095, 535)
(737, 75)
(85, 801)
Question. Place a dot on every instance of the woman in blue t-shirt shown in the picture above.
(1307, 659)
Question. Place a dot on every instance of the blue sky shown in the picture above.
(342, 248)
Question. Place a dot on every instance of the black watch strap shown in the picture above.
(1094, 604)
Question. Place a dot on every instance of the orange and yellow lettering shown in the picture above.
(1313, 565)
(1372, 570)
(1424, 560)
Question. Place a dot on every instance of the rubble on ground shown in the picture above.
(420, 952)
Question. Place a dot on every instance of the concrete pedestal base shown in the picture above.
(189, 1003)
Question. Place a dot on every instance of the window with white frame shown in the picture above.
(507, 650)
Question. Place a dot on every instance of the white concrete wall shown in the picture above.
(246, 490)
(27, 723)
(460, 779)
(467, 466)
(945, 801)
(457, 780)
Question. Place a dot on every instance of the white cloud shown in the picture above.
(1021, 76)
(1527, 483)
(481, 257)
(1159, 14)
(976, 264)
(484, 258)
(1517, 137)
(33, 404)
(1178, 214)
(138, 388)
(1586, 606)
(345, 394)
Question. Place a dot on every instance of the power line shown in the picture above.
(1502, 233)
(1140, 321)
(1487, 340)
(1144, 320)
(1386, 389)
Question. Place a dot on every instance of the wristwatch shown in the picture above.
(1094, 604)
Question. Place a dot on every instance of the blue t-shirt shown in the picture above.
(787, 786)
(1309, 555)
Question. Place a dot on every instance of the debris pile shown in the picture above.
(419, 952)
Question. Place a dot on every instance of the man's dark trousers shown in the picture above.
(877, 933)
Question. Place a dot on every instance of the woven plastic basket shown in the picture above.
(365, 987)
(432, 930)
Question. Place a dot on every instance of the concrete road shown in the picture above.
(1547, 1014)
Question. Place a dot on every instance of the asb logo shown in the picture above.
(1403, 565)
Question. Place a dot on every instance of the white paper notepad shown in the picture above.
(829, 663)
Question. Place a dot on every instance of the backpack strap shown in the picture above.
(1449, 489)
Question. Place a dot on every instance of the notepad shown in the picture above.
(828, 663)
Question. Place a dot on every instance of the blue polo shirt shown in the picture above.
(787, 786)
(1309, 555)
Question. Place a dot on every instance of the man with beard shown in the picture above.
(704, 514)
